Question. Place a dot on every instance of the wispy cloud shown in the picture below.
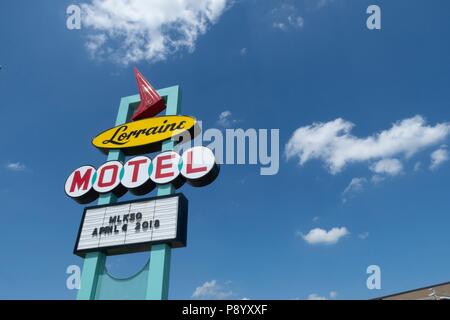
(438, 157)
(333, 143)
(391, 167)
(15, 166)
(355, 186)
(286, 17)
(323, 3)
(135, 30)
(417, 166)
(363, 235)
(315, 296)
(321, 236)
(226, 119)
(212, 290)
(381, 170)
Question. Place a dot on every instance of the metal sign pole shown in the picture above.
(159, 267)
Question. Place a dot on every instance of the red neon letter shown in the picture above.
(160, 166)
(136, 164)
(81, 181)
(103, 184)
(189, 168)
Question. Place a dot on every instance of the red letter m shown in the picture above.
(79, 181)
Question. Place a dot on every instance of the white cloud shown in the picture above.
(355, 186)
(226, 119)
(321, 236)
(94, 45)
(243, 51)
(211, 290)
(296, 21)
(134, 30)
(417, 166)
(279, 25)
(377, 178)
(315, 296)
(382, 168)
(333, 143)
(391, 167)
(323, 3)
(438, 157)
(286, 17)
(363, 235)
(16, 166)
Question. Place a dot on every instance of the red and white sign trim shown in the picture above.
(136, 177)
(166, 169)
(196, 166)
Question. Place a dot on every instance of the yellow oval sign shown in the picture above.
(145, 135)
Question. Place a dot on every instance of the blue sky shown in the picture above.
(271, 64)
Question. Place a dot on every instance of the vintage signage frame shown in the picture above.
(178, 242)
(155, 143)
(155, 284)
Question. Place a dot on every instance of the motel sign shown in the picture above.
(155, 224)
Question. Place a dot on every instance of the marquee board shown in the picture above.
(133, 226)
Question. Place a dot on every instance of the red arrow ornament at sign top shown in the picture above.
(151, 102)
